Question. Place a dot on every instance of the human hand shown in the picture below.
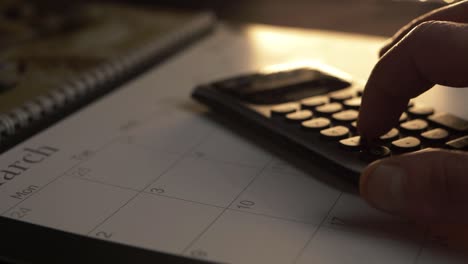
(430, 186)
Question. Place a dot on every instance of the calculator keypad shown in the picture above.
(334, 118)
(319, 112)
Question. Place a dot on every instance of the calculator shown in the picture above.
(315, 107)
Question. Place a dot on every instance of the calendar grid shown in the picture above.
(201, 203)
(191, 153)
(224, 210)
(296, 259)
(150, 183)
(60, 175)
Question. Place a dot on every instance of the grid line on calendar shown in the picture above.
(317, 229)
(198, 202)
(60, 175)
(225, 209)
(148, 184)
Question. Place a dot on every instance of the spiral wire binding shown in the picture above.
(90, 85)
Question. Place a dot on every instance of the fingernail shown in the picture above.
(384, 188)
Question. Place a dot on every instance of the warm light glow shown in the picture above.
(309, 48)
(313, 64)
(271, 40)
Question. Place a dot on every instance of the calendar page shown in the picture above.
(146, 166)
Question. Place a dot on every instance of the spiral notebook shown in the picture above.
(58, 58)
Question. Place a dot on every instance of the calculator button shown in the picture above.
(375, 152)
(329, 108)
(414, 125)
(407, 144)
(299, 116)
(316, 123)
(459, 143)
(390, 135)
(354, 124)
(435, 134)
(284, 109)
(337, 132)
(315, 101)
(341, 95)
(352, 143)
(379, 151)
(346, 115)
(353, 103)
(449, 121)
(403, 117)
(419, 110)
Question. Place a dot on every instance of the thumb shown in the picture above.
(429, 186)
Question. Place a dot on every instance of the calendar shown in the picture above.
(148, 167)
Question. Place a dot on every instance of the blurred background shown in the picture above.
(376, 17)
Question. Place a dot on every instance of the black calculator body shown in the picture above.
(316, 107)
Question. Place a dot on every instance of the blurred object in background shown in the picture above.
(45, 43)
(21, 20)
(376, 17)
(430, 1)
(58, 55)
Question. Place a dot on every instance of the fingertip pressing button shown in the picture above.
(375, 152)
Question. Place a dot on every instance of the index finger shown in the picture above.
(454, 13)
(433, 53)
